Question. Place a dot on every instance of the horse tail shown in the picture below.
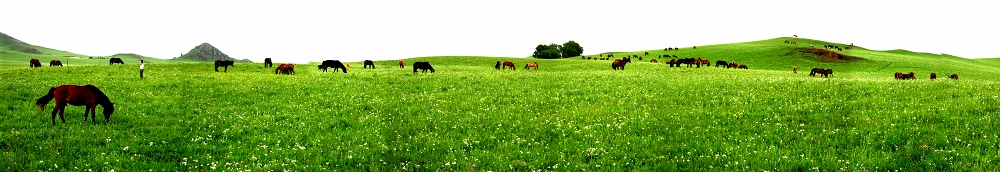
(44, 100)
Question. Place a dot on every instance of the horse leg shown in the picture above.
(55, 110)
(93, 113)
(62, 111)
(86, 112)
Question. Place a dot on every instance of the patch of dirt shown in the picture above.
(823, 55)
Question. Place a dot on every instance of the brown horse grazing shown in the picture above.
(828, 73)
(35, 63)
(933, 75)
(620, 64)
(55, 63)
(369, 63)
(815, 71)
(531, 64)
(795, 69)
(401, 63)
(905, 76)
(76, 95)
(287, 69)
(423, 66)
(953, 76)
(647, 53)
(653, 61)
(118, 60)
(510, 64)
(743, 66)
(733, 65)
(498, 65)
(267, 63)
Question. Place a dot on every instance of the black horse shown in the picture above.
(267, 63)
(224, 64)
(423, 66)
(721, 63)
(335, 64)
(369, 63)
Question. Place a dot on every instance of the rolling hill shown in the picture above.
(15, 53)
(205, 52)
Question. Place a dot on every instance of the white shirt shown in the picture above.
(142, 66)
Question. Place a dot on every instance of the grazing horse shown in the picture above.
(401, 63)
(823, 72)
(224, 64)
(647, 53)
(816, 70)
(795, 69)
(75, 95)
(733, 65)
(933, 75)
(703, 62)
(721, 63)
(953, 76)
(510, 64)
(689, 62)
(653, 61)
(743, 66)
(55, 63)
(905, 76)
(267, 63)
(620, 64)
(673, 62)
(531, 64)
(369, 63)
(287, 69)
(119, 61)
(335, 64)
(423, 66)
(35, 63)
(786, 41)
(498, 65)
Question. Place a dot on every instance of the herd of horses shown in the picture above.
(909, 76)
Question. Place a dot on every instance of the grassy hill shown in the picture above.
(206, 53)
(15, 53)
(570, 114)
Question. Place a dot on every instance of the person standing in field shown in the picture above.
(142, 67)
(795, 69)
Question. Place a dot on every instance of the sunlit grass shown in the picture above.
(569, 115)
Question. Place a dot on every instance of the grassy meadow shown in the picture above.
(570, 115)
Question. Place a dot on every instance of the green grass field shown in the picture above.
(570, 115)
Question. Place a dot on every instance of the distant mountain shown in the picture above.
(12, 44)
(205, 52)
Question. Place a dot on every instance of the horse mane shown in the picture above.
(101, 97)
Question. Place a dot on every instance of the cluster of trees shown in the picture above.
(554, 51)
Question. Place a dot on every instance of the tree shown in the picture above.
(571, 49)
(550, 51)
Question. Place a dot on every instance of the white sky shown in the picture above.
(315, 30)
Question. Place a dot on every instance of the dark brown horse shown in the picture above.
(817, 70)
(118, 60)
(743, 66)
(75, 95)
(401, 63)
(368, 63)
(531, 64)
(35, 63)
(933, 75)
(953, 76)
(899, 75)
(55, 63)
(903, 76)
(423, 66)
(267, 63)
(286, 69)
(653, 61)
(509, 64)
(620, 64)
